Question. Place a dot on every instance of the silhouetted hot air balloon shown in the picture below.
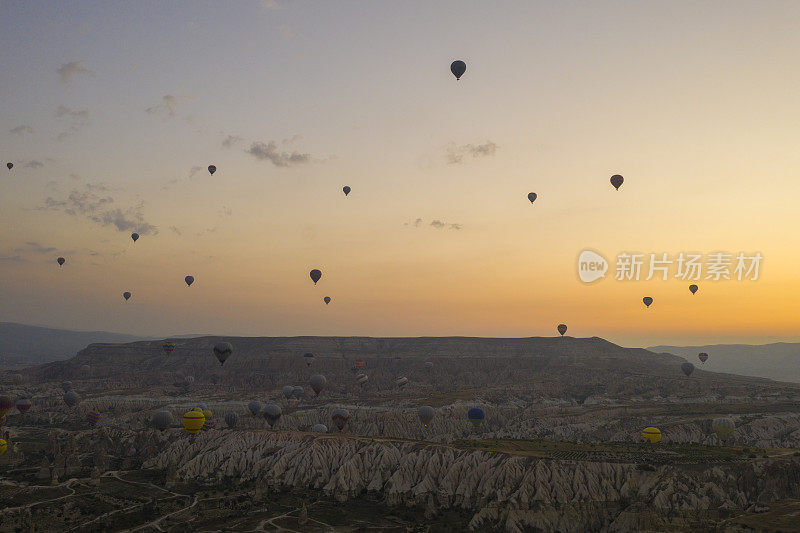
(319, 428)
(401, 382)
(687, 368)
(327, 300)
(346, 190)
(6, 404)
(71, 399)
(340, 418)
(458, 68)
(223, 350)
(272, 414)
(9, 166)
(616, 181)
(93, 417)
(318, 382)
(651, 435)
(231, 419)
(162, 420)
(703, 356)
(168, 347)
(693, 288)
(315, 275)
(22, 405)
(66, 386)
(254, 407)
(212, 169)
(189, 280)
(532, 196)
(562, 328)
(647, 301)
(287, 390)
(425, 413)
(61, 261)
(193, 421)
(135, 236)
(723, 427)
(126, 295)
(309, 358)
(476, 416)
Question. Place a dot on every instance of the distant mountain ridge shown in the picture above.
(779, 361)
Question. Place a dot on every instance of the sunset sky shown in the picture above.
(111, 113)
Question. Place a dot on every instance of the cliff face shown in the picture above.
(504, 491)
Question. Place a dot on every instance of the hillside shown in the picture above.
(775, 361)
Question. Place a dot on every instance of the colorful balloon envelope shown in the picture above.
(193, 421)
(723, 427)
(93, 417)
(532, 196)
(168, 347)
(401, 382)
(651, 435)
(703, 357)
(327, 300)
(562, 328)
(476, 416)
(3, 444)
(647, 301)
(693, 288)
(340, 418)
(23, 404)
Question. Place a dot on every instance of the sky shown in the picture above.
(111, 113)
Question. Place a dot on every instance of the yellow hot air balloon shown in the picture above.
(651, 435)
(723, 427)
(207, 413)
(193, 421)
(3, 446)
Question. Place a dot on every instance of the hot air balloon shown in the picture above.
(200, 407)
(359, 364)
(616, 181)
(223, 350)
(297, 392)
(135, 236)
(687, 368)
(476, 416)
(168, 347)
(647, 301)
(231, 419)
(361, 379)
(425, 413)
(3, 444)
(162, 420)
(458, 68)
(651, 435)
(315, 275)
(212, 169)
(287, 390)
(346, 190)
(272, 413)
(327, 300)
(562, 328)
(208, 423)
(428, 364)
(318, 382)
(6, 404)
(189, 280)
(693, 288)
(532, 196)
(61, 261)
(93, 417)
(66, 386)
(703, 357)
(309, 358)
(189, 379)
(71, 399)
(401, 382)
(23, 404)
(723, 427)
(193, 421)
(9, 166)
(254, 407)
(319, 428)
(2, 420)
(17, 378)
(340, 418)
(126, 295)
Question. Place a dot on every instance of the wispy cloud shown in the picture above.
(12, 259)
(21, 129)
(75, 119)
(168, 106)
(67, 71)
(278, 155)
(35, 247)
(102, 210)
(33, 163)
(456, 153)
(231, 140)
(436, 224)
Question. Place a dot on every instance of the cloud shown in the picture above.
(32, 164)
(168, 106)
(230, 140)
(175, 230)
(101, 210)
(74, 176)
(12, 259)
(270, 152)
(22, 128)
(455, 154)
(194, 170)
(74, 68)
(436, 224)
(75, 119)
(36, 248)
(225, 211)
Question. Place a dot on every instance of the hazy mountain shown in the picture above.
(22, 344)
(777, 361)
